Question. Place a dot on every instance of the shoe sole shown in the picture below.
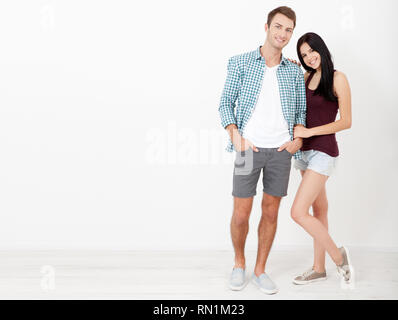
(234, 288)
(298, 282)
(265, 290)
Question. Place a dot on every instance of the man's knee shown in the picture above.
(242, 209)
(270, 211)
(270, 216)
(240, 217)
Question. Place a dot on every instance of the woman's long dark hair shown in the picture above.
(316, 43)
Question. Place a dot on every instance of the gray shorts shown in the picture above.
(276, 172)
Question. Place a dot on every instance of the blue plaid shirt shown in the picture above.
(243, 85)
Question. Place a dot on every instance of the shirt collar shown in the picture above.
(258, 56)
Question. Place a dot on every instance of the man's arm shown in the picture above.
(301, 101)
(230, 95)
(227, 107)
(300, 114)
(301, 108)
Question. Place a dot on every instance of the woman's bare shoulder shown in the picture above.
(339, 76)
(340, 82)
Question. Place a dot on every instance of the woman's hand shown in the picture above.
(292, 146)
(302, 132)
(294, 61)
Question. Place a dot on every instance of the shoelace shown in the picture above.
(306, 274)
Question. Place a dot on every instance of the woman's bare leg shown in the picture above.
(310, 188)
(320, 210)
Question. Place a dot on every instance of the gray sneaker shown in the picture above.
(345, 269)
(310, 276)
(237, 280)
(264, 282)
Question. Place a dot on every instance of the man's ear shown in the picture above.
(266, 27)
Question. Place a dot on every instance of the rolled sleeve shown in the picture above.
(230, 94)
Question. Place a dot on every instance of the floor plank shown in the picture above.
(182, 275)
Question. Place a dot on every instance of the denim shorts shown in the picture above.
(317, 161)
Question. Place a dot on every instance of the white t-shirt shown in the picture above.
(267, 127)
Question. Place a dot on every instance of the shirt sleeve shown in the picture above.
(230, 94)
(301, 101)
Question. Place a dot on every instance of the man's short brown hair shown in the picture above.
(286, 11)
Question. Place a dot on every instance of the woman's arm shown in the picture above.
(343, 93)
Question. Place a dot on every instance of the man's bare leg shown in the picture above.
(266, 230)
(240, 228)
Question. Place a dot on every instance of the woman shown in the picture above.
(327, 92)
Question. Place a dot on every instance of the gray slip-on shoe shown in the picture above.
(264, 282)
(237, 280)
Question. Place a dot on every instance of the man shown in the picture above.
(268, 93)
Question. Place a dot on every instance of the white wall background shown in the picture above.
(110, 135)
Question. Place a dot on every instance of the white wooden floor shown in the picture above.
(181, 275)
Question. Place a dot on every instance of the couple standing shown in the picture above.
(272, 111)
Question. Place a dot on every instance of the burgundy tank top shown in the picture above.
(320, 112)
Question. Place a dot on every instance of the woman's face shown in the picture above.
(311, 58)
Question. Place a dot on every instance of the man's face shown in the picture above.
(279, 31)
